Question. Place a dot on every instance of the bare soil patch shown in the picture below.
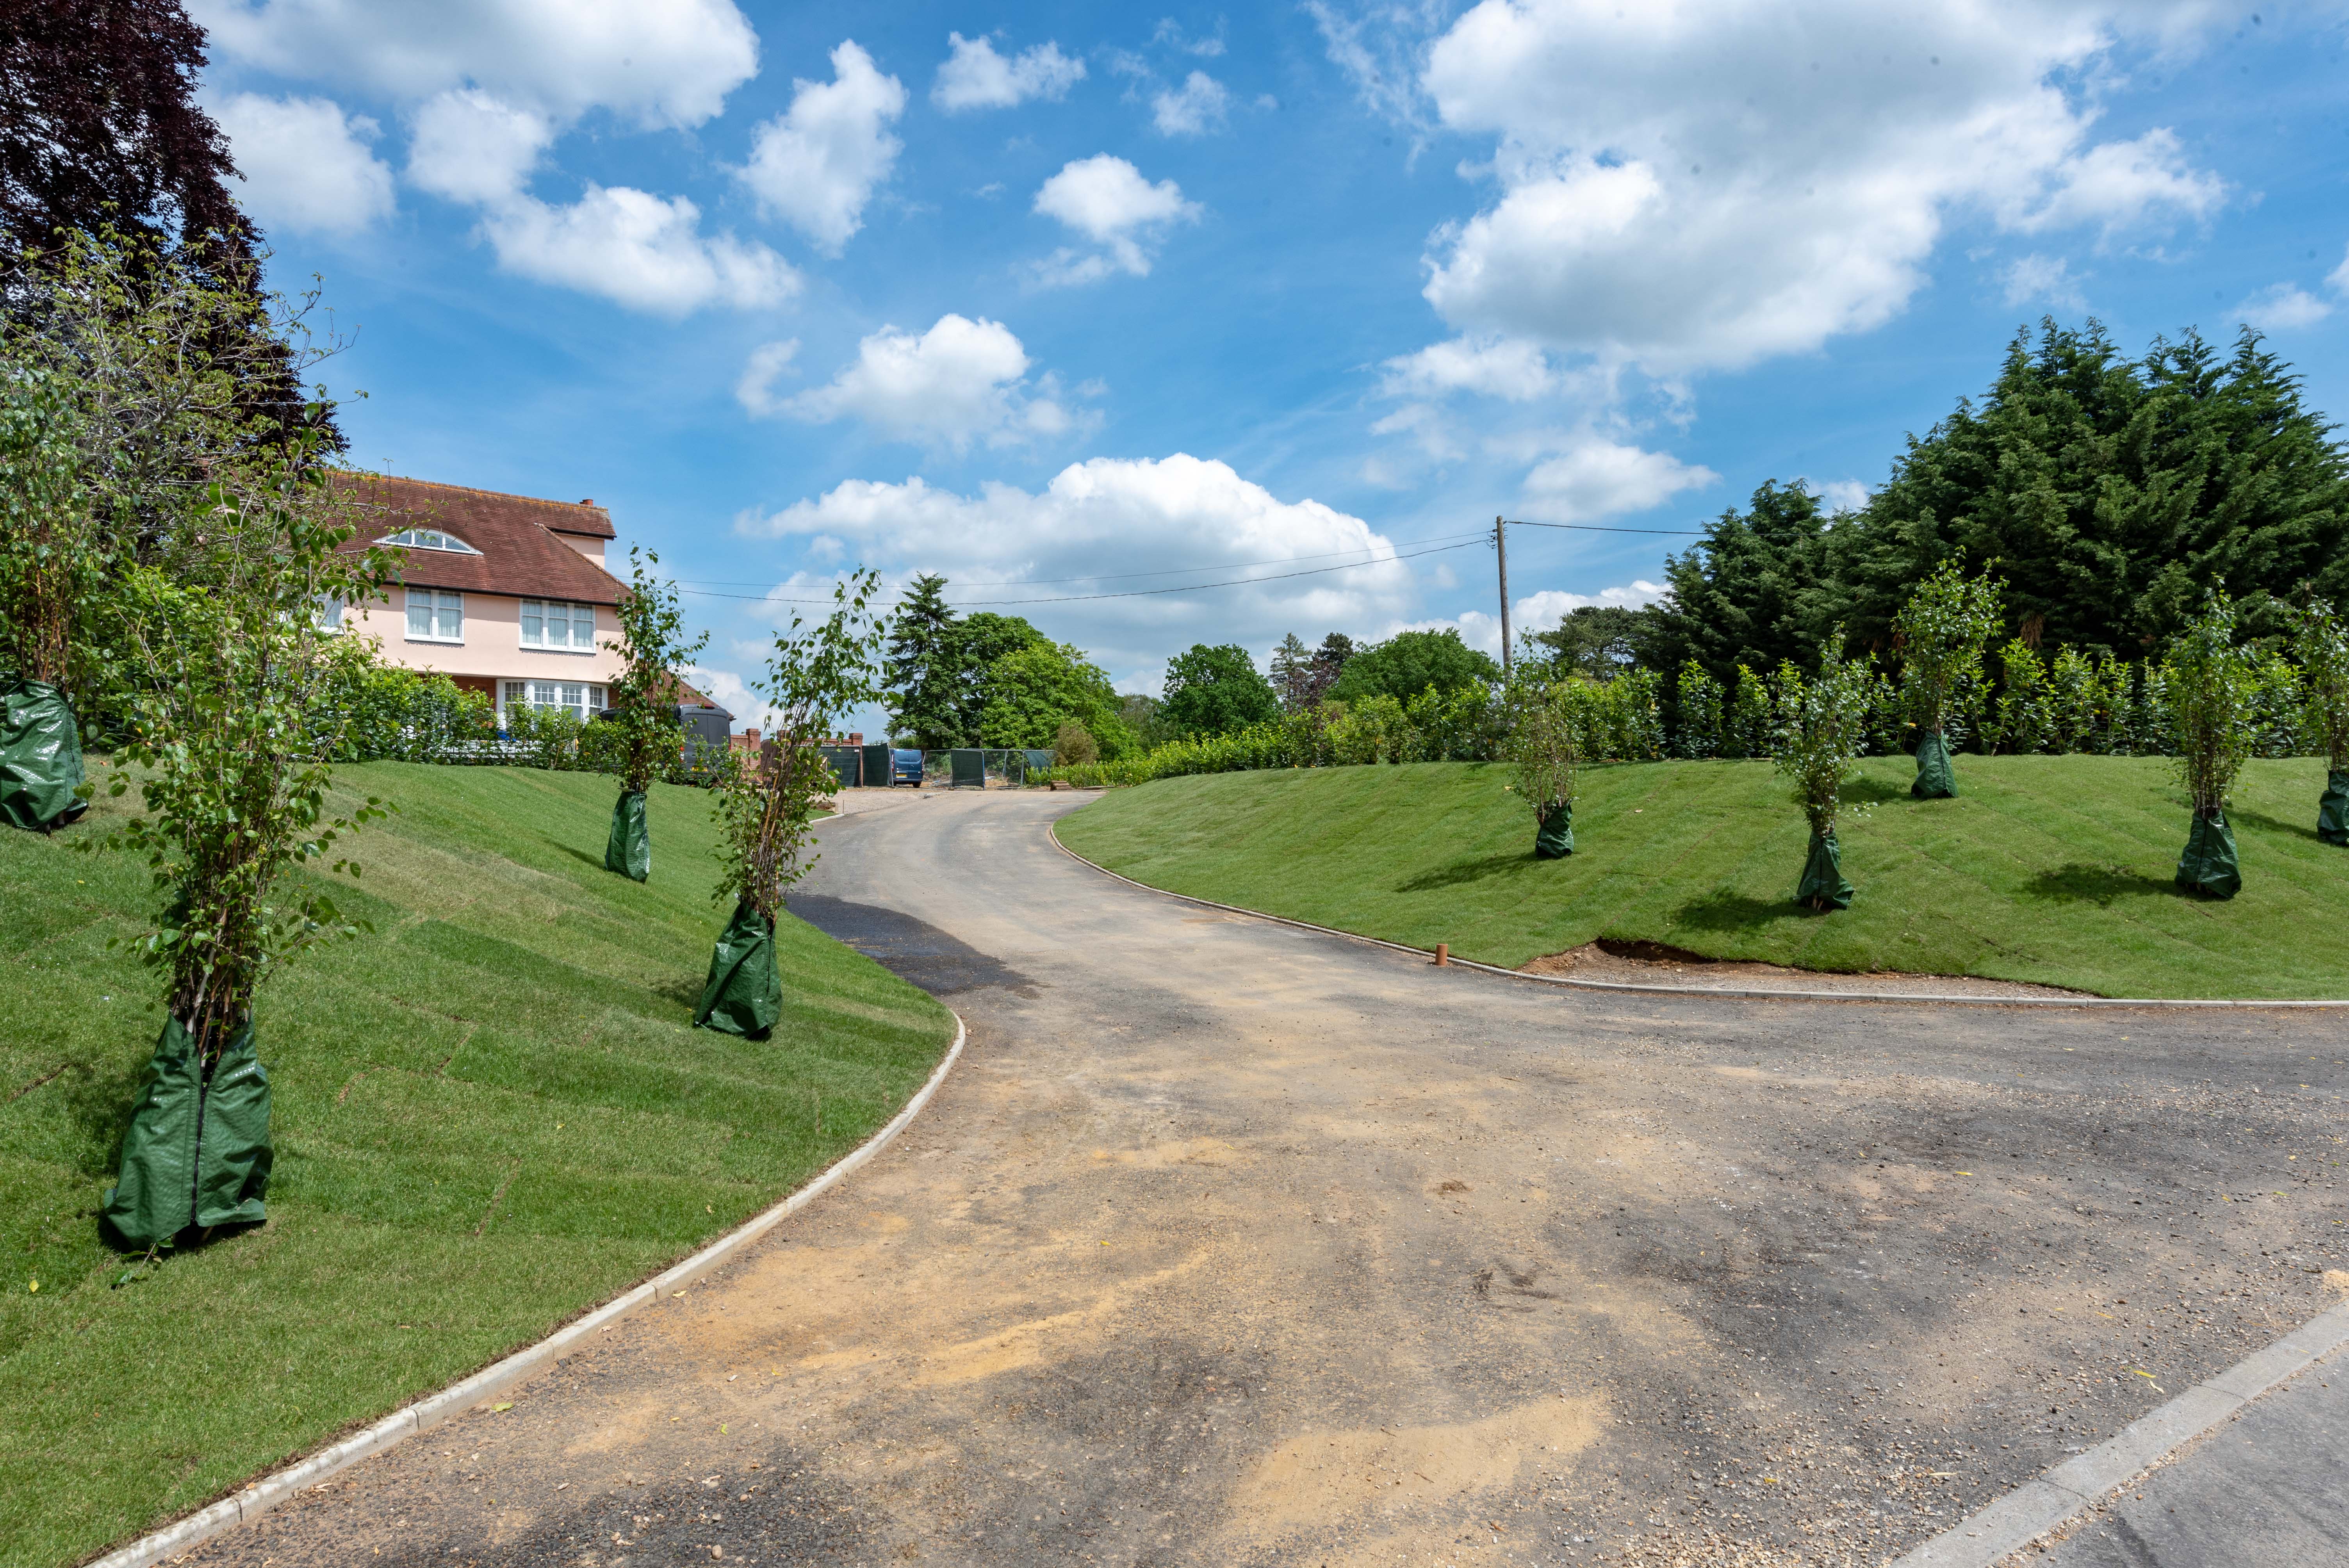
(1653, 963)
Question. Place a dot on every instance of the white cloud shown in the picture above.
(469, 146)
(1593, 477)
(975, 77)
(1142, 515)
(1481, 629)
(1171, 35)
(1841, 495)
(1708, 183)
(306, 166)
(2282, 306)
(755, 390)
(658, 62)
(638, 249)
(1495, 367)
(2337, 280)
(730, 691)
(1198, 106)
(1106, 199)
(817, 163)
(960, 381)
(2037, 277)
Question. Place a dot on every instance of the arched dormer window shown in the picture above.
(431, 539)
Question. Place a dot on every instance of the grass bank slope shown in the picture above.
(2049, 869)
(490, 1114)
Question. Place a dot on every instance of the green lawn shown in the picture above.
(2048, 869)
(490, 1114)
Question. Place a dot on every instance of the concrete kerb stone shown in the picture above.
(1733, 992)
(187, 1534)
(2039, 1507)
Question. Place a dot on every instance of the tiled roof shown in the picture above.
(517, 535)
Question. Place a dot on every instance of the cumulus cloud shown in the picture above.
(1481, 629)
(975, 77)
(1592, 478)
(1196, 108)
(658, 62)
(1841, 495)
(1708, 183)
(2282, 306)
(469, 146)
(1147, 515)
(1495, 367)
(2035, 278)
(755, 389)
(817, 164)
(307, 165)
(960, 381)
(488, 86)
(638, 250)
(1106, 199)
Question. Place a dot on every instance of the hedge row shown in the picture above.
(2070, 703)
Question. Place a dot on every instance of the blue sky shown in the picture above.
(1068, 301)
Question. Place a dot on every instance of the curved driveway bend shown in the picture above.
(1228, 1244)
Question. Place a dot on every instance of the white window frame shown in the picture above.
(535, 609)
(583, 699)
(430, 539)
(436, 603)
(330, 613)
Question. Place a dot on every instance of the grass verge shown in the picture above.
(2055, 870)
(488, 1116)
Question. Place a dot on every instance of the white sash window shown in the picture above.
(548, 624)
(435, 616)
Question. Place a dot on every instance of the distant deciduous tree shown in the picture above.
(1409, 663)
(1215, 690)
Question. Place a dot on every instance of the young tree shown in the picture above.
(1941, 633)
(232, 729)
(1074, 745)
(1543, 747)
(51, 567)
(652, 642)
(1215, 691)
(766, 814)
(1292, 674)
(921, 674)
(1820, 726)
(2320, 641)
(2210, 685)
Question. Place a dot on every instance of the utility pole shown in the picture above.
(1501, 548)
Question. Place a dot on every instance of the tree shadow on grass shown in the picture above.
(1734, 912)
(1867, 791)
(2273, 824)
(1461, 871)
(2079, 883)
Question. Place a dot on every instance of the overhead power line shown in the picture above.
(1476, 539)
(1160, 572)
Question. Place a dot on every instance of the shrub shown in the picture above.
(1699, 733)
(1074, 745)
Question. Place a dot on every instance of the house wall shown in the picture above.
(593, 549)
(493, 647)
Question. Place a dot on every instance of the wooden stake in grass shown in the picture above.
(1941, 633)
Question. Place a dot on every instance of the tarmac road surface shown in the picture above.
(1228, 1243)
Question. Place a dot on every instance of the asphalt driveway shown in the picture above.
(1229, 1243)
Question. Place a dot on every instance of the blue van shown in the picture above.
(905, 768)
